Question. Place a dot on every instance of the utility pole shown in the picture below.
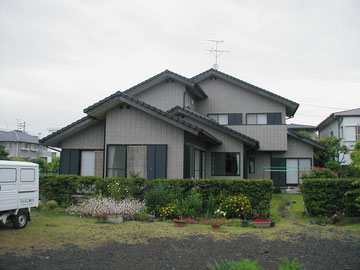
(216, 52)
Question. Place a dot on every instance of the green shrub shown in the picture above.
(52, 204)
(192, 205)
(236, 207)
(293, 265)
(318, 173)
(244, 264)
(156, 198)
(325, 197)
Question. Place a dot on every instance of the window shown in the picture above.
(116, 161)
(87, 163)
(350, 134)
(251, 165)
(227, 119)
(220, 118)
(295, 168)
(199, 164)
(263, 118)
(27, 175)
(358, 133)
(7, 175)
(225, 164)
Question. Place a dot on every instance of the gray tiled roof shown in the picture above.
(43, 140)
(306, 139)
(212, 122)
(299, 126)
(212, 72)
(331, 118)
(18, 136)
(163, 75)
(201, 132)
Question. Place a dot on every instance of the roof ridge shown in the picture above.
(214, 123)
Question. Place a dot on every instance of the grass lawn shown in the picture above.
(49, 230)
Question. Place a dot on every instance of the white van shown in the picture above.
(19, 190)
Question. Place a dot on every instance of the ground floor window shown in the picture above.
(200, 161)
(252, 165)
(295, 167)
(147, 161)
(87, 163)
(287, 171)
(116, 161)
(225, 164)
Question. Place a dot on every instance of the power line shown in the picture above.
(320, 106)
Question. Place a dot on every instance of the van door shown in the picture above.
(28, 187)
(8, 189)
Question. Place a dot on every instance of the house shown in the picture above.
(344, 125)
(20, 144)
(311, 130)
(212, 125)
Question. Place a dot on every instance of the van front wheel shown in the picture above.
(21, 219)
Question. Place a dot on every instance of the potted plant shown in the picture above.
(262, 223)
(180, 222)
(215, 223)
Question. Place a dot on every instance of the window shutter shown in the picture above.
(274, 118)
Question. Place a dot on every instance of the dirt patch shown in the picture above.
(194, 253)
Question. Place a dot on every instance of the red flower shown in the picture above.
(262, 220)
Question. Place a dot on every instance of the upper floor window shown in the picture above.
(263, 118)
(227, 119)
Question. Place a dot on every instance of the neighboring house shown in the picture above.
(210, 126)
(344, 125)
(311, 130)
(20, 144)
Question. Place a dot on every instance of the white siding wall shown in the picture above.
(132, 126)
(296, 149)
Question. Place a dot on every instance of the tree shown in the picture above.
(334, 152)
(3, 154)
(355, 156)
(54, 165)
(43, 166)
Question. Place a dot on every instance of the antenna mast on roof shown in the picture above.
(215, 51)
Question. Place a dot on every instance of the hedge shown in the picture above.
(325, 197)
(259, 191)
(62, 187)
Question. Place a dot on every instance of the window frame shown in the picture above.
(237, 154)
(269, 118)
(230, 118)
(107, 159)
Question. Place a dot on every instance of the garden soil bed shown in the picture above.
(194, 253)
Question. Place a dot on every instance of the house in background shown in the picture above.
(20, 144)
(210, 126)
(311, 130)
(344, 125)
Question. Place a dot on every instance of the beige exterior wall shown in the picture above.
(89, 138)
(296, 149)
(225, 97)
(164, 96)
(132, 126)
(270, 137)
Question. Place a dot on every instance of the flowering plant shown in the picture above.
(336, 218)
(169, 211)
(236, 207)
(219, 213)
(186, 220)
(211, 221)
(101, 207)
(261, 220)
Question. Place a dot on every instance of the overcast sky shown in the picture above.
(59, 57)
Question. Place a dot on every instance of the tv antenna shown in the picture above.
(215, 52)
